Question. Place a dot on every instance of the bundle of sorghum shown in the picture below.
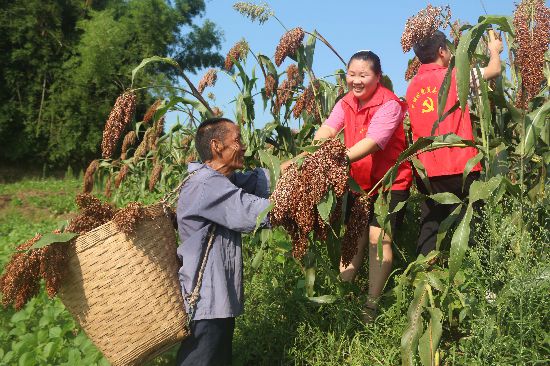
(208, 79)
(237, 53)
(21, 278)
(424, 24)
(289, 44)
(532, 24)
(93, 213)
(118, 119)
(127, 218)
(412, 69)
(299, 190)
(358, 221)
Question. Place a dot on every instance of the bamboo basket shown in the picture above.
(124, 290)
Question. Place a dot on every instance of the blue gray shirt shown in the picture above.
(233, 204)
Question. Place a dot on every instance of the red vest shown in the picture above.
(369, 170)
(422, 101)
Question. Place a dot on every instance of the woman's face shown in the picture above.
(362, 80)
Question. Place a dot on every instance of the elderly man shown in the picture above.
(215, 206)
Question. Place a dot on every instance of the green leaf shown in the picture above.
(444, 92)
(470, 165)
(409, 339)
(309, 50)
(310, 281)
(257, 261)
(324, 299)
(534, 123)
(51, 238)
(262, 216)
(147, 60)
(480, 190)
(445, 198)
(429, 342)
(463, 67)
(446, 225)
(273, 164)
(325, 205)
(354, 187)
(421, 171)
(26, 359)
(459, 243)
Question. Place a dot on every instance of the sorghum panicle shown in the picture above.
(208, 79)
(412, 69)
(532, 25)
(289, 44)
(237, 53)
(260, 12)
(118, 119)
(424, 24)
(89, 176)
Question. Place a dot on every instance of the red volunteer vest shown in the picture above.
(422, 101)
(369, 170)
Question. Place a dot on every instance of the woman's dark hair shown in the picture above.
(427, 49)
(210, 129)
(370, 57)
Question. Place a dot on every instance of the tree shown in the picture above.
(66, 61)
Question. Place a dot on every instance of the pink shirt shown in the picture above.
(383, 123)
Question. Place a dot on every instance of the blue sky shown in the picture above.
(349, 26)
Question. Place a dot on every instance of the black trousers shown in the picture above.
(210, 343)
(433, 213)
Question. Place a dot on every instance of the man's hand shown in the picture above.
(495, 43)
(285, 165)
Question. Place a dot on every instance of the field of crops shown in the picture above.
(481, 299)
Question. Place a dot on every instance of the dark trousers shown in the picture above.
(210, 343)
(433, 213)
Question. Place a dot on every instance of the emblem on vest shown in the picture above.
(427, 101)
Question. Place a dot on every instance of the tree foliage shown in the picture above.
(65, 62)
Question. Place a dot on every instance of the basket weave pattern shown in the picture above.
(124, 290)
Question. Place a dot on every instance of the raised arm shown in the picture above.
(493, 69)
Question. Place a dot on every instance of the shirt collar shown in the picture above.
(376, 99)
(430, 67)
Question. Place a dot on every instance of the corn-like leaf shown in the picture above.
(482, 190)
(446, 225)
(309, 50)
(470, 165)
(325, 206)
(51, 238)
(429, 342)
(409, 339)
(445, 198)
(459, 243)
(324, 299)
(421, 171)
(148, 60)
(444, 92)
(273, 164)
(262, 216)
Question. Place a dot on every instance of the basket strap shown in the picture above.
(170, 196)
(193, 297)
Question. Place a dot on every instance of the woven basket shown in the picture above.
(124, 290)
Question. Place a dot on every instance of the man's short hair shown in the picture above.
(427, 49)
(210, 129)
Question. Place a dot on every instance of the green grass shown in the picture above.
(506, 282)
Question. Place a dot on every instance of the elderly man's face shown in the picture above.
(232, 153)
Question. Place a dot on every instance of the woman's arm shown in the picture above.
(381, 129)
